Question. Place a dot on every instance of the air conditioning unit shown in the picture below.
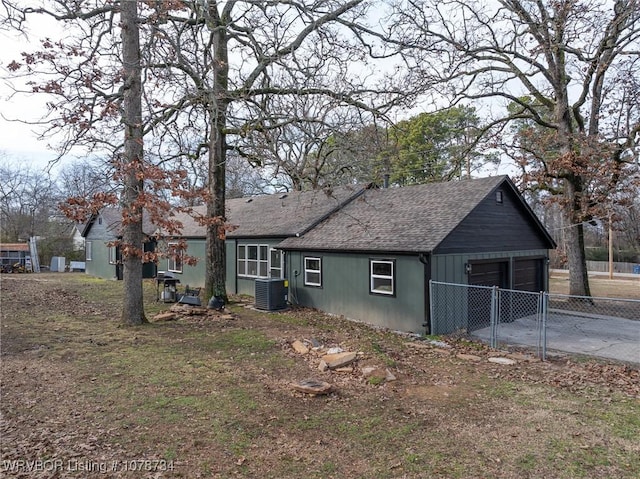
(271, 293)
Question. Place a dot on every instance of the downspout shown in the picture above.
(425, 259)
(235, 276)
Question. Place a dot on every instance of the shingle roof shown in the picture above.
(409, 219)
(277, 215)
(112, 219)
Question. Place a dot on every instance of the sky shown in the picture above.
(18, 140)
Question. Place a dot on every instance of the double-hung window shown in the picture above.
(313, 271)
(382, 277)
(88, 250)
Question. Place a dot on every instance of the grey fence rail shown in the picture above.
(504, 315)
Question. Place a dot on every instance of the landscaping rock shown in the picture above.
(500, 360)
(339, 360)
(165, 317)
(312, 386)
(323, 366)
(299, 347)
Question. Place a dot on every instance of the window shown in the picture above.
(113, 255)
(382, 277)
(175, 259)
(276, 262)
(88, 250)
(253, 260)
(499, 198)
(313, 271)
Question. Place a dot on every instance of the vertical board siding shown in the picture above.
(345, 290)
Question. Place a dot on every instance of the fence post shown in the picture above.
(545, 312)
(431, 312)
(493, 318)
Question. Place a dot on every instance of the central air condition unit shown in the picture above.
(271, 294)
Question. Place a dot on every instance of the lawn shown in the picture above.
(210, 396)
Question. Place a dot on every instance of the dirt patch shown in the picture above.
(211, 396)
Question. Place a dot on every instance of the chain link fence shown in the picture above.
(511, 316)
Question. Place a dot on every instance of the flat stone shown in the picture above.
(165, 317)
(323, 366)
(339, 360)
(390, 376)
(312, 386)
(469, 357)
(499, 360)
(299, 347)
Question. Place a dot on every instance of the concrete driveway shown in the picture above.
(605, 337)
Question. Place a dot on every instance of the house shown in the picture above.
(368, 253)
(101, 258)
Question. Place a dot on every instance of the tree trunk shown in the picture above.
(576, 257)
(132, 237)
(215, 281)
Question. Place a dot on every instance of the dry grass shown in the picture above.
(212, 398)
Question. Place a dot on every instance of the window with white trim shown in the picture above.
(253, 260)
(382, 277)
(276, 263)
(313, 271)
(174, 261)
(88, 250)
(113, 255)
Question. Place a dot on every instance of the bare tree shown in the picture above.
(563, 66)
(93, 77)
(226, 61)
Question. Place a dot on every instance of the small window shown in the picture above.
(113, 259)
(382, 277)
(499, 199)
(175, 259)
(313, 272)
(88, 250)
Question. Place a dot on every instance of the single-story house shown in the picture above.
(368, 253)
(103, 260)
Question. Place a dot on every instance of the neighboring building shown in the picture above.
(103, 260)
(12, 254)
(368, 253)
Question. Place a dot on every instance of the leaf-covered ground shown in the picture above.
(210, 396)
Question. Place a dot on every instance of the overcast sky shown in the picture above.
(19, 141)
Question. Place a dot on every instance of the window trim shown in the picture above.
(391, 277)
(88, 250)
(174, 264)
(308, 270)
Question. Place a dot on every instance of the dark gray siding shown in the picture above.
(493, 226)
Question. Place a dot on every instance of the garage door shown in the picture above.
(527, 274)
(490, 274)
(479, 300)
